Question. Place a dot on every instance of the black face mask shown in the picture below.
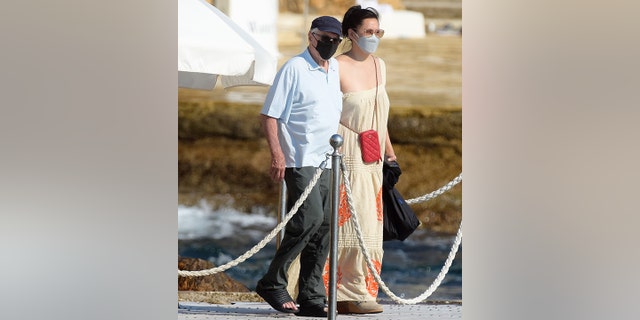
(326, 49)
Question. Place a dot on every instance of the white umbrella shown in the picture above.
(210, 44)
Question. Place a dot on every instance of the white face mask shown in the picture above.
(368, 44)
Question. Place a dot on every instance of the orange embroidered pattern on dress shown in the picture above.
(326, 274)
(372, 285)
(344, 214)
(379, 204)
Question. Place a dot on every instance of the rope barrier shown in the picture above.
(438, 192)
(268, 238)
(303, 197)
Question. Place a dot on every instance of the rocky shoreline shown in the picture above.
(223, 158)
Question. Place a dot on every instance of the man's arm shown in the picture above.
(270, 127)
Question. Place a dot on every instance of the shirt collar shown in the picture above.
(313, 65)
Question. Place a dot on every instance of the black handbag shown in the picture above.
(399, 220)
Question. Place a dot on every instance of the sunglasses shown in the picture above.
(369, 32)
(327, 39)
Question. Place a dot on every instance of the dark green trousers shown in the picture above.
(307, 234)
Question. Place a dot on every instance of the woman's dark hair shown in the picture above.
(354, 16)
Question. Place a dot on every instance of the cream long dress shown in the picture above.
(359, 112)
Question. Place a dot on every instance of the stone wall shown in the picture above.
(223, 158)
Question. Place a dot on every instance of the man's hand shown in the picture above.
(277, 167)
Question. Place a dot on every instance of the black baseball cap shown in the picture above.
(327, 24)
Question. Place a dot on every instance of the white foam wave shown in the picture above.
(202, 221)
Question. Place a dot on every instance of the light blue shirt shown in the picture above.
(307, 102)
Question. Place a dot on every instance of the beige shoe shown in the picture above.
(360, 307)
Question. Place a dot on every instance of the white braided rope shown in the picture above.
(266, 239)
(438, 192)
(372, 269)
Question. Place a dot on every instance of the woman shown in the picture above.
(365, 106)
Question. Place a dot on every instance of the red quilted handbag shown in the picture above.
(369, 146)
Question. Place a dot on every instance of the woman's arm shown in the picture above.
(389, 154)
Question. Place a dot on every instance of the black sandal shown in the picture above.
(276, 298)
(313, 310)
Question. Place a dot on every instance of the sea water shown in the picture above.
(223, 234)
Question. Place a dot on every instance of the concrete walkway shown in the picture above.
(260, 310)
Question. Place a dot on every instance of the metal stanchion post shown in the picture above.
(336, 142)
(283, 211)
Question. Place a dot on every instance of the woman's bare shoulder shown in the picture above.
(345, 61)
(342, 58)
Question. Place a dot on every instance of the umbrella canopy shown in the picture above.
(210, 44)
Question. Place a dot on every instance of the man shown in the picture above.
(300, 114)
